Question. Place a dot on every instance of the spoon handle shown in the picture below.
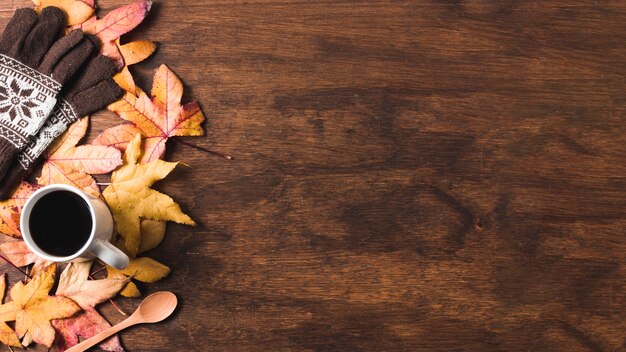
(94, 340)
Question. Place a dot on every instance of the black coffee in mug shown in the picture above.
(60, 223)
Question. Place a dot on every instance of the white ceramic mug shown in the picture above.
(98, 243)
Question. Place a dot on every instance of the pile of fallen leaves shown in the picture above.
(131, 152)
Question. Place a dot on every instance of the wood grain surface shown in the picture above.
(408, 175)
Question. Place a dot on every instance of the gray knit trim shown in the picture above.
(62, 116)
(27, 97)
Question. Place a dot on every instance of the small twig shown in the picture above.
(110, 300)
(15, 266)
(10, 348)
(118, 308)
(103, 183)
(225, 156)
(97, 271)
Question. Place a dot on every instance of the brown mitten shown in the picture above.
(33, 67)
(92, 90)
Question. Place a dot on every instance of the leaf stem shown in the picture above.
(110, 300)
(97, 271)
(15, 266)
(225, 156)
(118, 308)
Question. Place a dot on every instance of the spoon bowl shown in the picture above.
(156, 307)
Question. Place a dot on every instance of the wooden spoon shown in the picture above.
(153, 309)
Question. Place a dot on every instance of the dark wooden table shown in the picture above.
(409, 176)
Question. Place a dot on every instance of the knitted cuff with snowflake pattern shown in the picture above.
(92, 90)
(33, 67)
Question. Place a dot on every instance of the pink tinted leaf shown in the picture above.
(154, 148)
(110, 50)
(120, 21)
(73, 165)
(18, 253)
(91, 159)
(85, 24)
(85, 325)
(117, 137)
(53, 173)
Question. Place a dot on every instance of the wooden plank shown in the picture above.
(408, 175)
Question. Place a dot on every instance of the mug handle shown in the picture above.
(110, 254)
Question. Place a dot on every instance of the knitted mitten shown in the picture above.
(93, 89)
(33, 67)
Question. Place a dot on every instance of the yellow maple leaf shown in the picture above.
(142, 269)
(32, 308)
(131, 199)
(152, 234)
(7, 335)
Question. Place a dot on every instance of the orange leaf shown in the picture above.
(137, 51)
(73, 165)
(158, 118)
(77, 11)
(132, 53)
(11, 209)
(125, 80)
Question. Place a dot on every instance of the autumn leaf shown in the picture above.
(142, 269)
(18, 253)
(152, 234)
(74, 284)
(32, 308)
(157, 119)
(131, 199)
(72, 165)
(7, 335)
(116, 23)
(85, 325)
(76, 11)
(132, 53)
(11, 209)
